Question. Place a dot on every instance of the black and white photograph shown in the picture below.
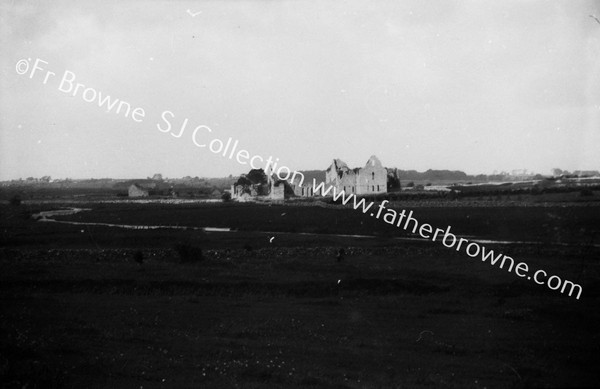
(299, 194)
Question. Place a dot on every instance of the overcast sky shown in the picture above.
(465, 85)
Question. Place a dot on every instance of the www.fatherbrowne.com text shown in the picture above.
(426, 231)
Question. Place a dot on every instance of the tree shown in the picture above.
(257, 176)
(188, 252)
(243, 180)
(452, 195)
(393, 182)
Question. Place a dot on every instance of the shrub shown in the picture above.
(226, 196)
(586, 192)
(188, 252)
(138, 257)
(15, 200)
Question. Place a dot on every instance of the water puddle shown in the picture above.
(45, 216)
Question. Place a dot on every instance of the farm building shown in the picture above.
(136, 190)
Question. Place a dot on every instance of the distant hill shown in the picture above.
(433, 175)
(403, 175)
(203, 184)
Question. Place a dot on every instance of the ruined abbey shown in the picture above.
(370, 179)
(367, 180)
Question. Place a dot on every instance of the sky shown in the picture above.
(461, 85)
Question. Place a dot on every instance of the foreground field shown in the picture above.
(105, 307)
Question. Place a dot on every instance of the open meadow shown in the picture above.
(273, 304)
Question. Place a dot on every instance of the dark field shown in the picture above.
(269, 305)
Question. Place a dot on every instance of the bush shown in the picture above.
(586, 192)
(15, 200)
(189, 253)
(452, 195)
(226, 196)
(138, 257)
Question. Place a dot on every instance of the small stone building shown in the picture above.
(136, 190)
(277, 190)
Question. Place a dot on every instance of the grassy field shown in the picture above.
(270, 306)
